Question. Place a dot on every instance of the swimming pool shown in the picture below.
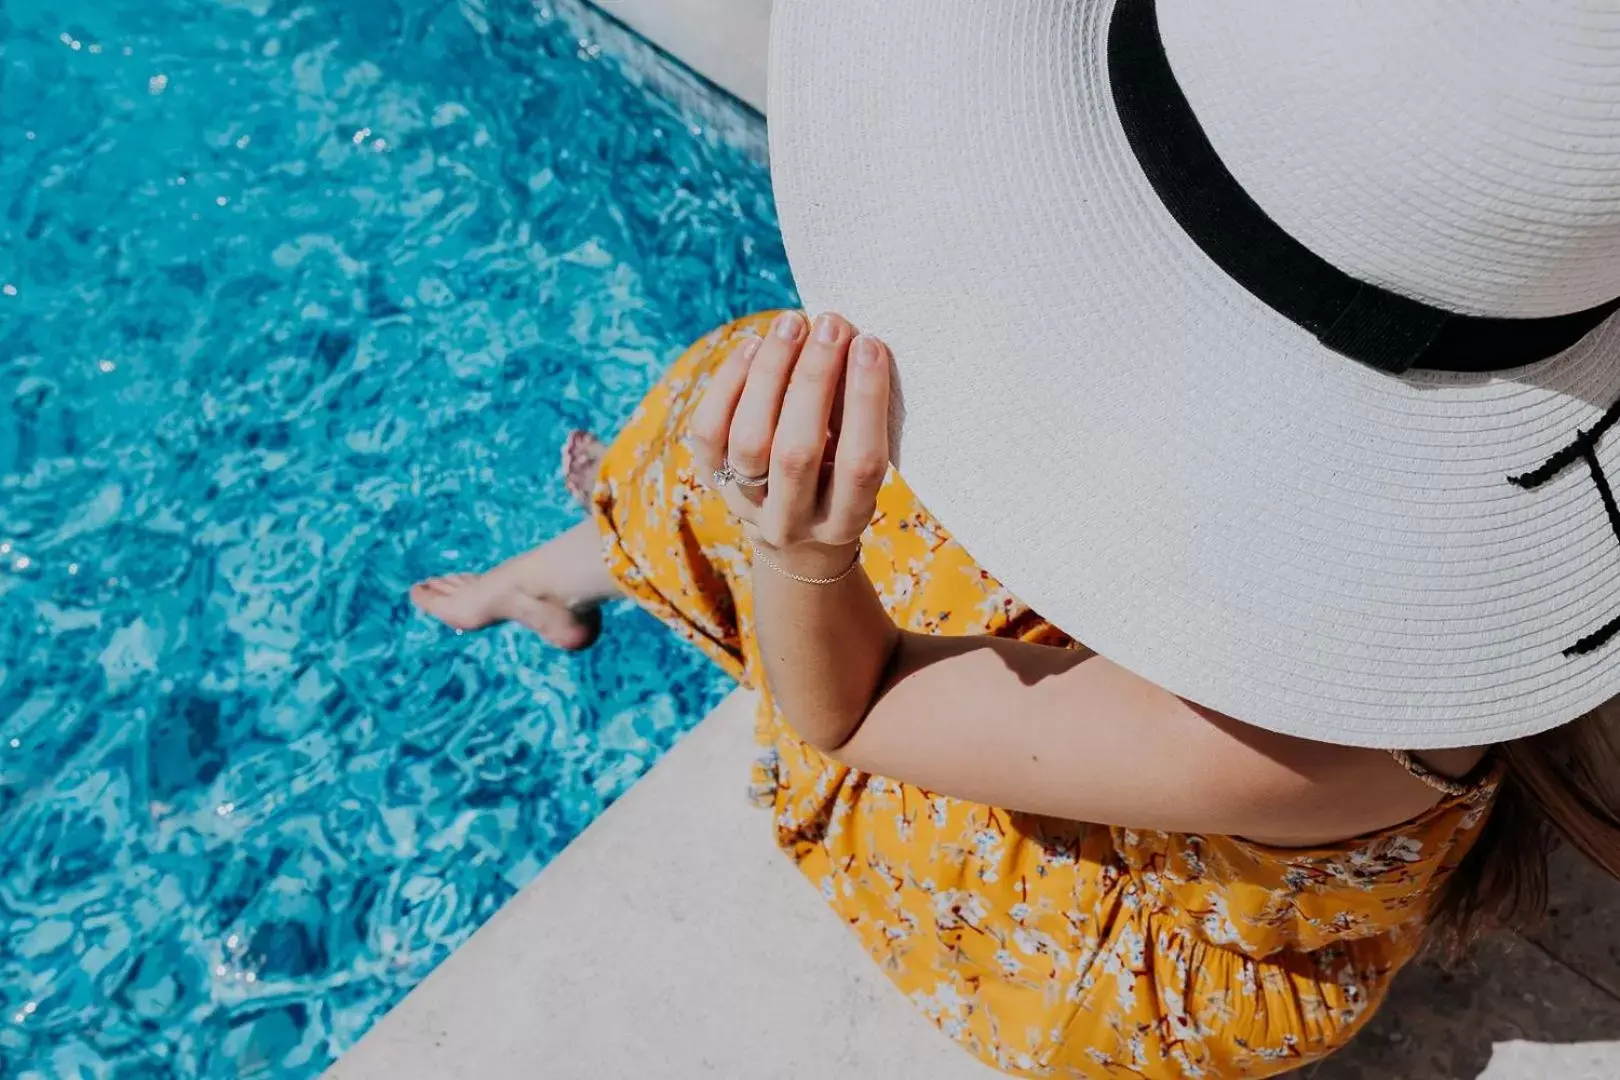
(296, 304)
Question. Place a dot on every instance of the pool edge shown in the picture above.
(724, 41)
(670, 939)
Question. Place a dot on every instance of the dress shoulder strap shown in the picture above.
(1440, 783)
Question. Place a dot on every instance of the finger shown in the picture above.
(801, 430)
(710, 424)
(862, 458)
(753, 426)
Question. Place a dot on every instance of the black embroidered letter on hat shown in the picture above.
(1584, 448)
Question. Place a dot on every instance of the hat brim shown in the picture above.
(1140, 450)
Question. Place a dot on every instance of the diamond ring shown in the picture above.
(727, 474)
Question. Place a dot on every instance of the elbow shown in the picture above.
(830, 715)
(827, 735)
(830, 727)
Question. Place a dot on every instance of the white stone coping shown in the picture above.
(725, 41)
(670, 940)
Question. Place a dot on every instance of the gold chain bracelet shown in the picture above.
(854, 565)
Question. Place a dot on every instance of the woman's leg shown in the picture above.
(658, 535)
(552, 590)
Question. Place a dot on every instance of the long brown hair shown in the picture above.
(1564, 785)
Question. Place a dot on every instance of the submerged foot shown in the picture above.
(475, 601)
(581, 460)
(526, 589)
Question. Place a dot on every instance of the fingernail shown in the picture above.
(866, 351)
(746, 351)
(827, 329)
(788, 326)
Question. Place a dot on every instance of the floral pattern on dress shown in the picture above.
(1047, 948)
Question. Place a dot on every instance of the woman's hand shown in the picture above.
(806, 409)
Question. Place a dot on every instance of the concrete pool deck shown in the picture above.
(672, 940)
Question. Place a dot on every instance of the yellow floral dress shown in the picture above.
(1047, 948)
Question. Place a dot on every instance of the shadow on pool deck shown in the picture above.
(1547, 1005)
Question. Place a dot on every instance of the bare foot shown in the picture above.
(581, 460)
(476, 601)
(554, 590)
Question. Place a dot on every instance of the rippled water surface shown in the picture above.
(296, 303)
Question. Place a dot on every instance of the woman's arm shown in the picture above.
(1048, 731)
(1051, 731)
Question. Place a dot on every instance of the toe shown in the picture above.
(581, 447)
(587, 453)
(427, 598)
(582, 457)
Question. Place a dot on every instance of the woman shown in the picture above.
(1279, 375)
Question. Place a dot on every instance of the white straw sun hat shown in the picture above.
(1263, 345)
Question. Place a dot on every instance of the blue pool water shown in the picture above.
(297, 301)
